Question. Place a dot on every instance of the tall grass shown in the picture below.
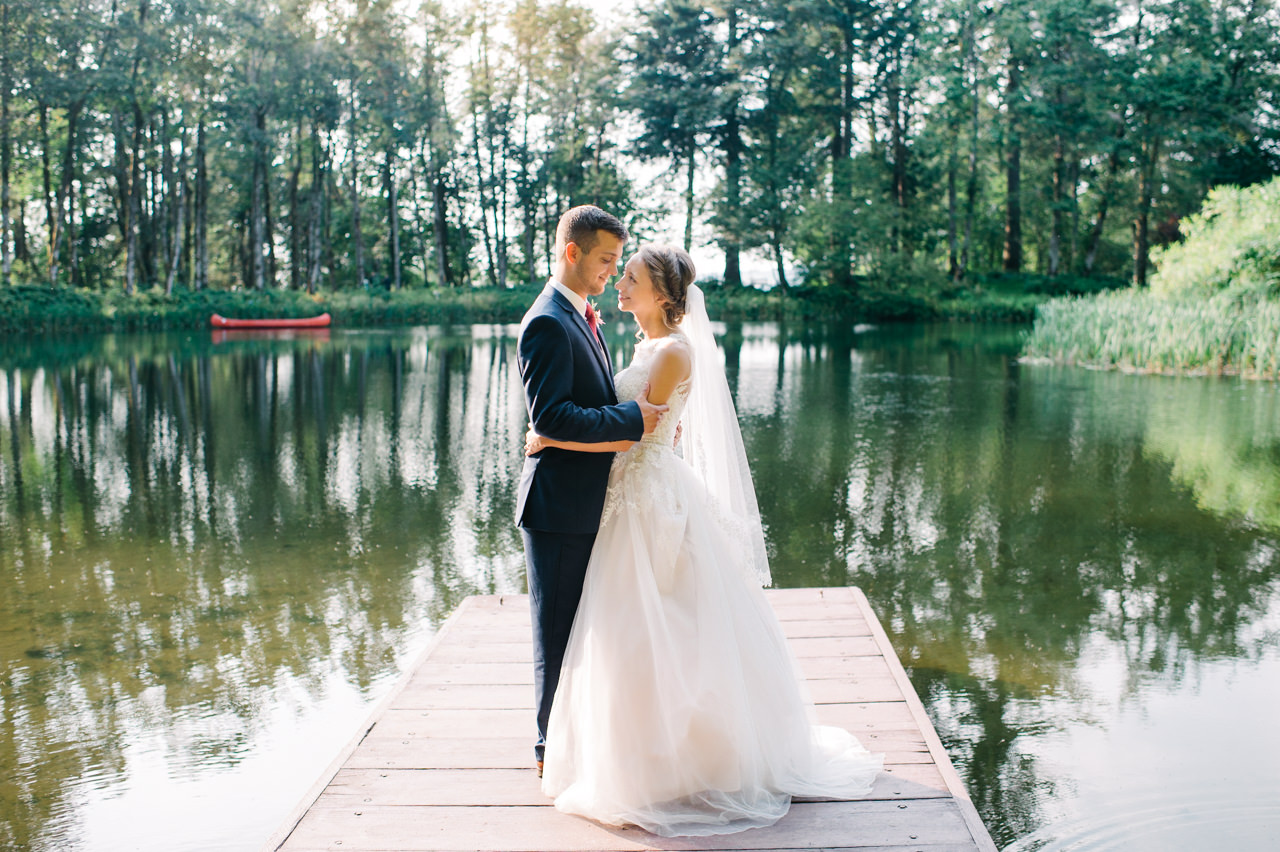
(1213, 306)
(1140, 331)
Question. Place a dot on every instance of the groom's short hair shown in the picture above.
(579, 225)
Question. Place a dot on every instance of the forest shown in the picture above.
(331, 145)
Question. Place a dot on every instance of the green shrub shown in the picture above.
(1233, 243)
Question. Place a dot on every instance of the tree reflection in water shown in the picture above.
(188, 526)
(1004, 517)
(193, 531)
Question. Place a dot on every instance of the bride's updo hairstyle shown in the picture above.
(671, 271)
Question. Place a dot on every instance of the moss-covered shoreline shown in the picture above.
(27, 309)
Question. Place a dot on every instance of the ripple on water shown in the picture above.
(1239, 820)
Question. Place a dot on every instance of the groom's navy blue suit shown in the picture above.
(568, 386)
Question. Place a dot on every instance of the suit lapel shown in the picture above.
(593, 342)
(604, 359)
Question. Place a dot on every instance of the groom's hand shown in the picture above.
(650, 412)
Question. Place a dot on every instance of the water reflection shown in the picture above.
(216, 551)
(191, 527)
(1047, 546)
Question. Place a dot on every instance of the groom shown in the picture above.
(568, 388)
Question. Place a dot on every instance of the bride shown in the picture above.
(679, 707)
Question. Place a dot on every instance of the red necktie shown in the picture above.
(593, 319)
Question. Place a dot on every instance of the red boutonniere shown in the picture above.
(593, 316)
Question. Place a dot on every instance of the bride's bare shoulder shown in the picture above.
(677, 342)
(672, 357)
(673, 346)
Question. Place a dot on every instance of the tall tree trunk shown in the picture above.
(898, 155)
(297, 263)
(187, 259)
(420, 235)
(548, 233)
(257, 206)
(971, 187)
(491, 269)
(528, 194)
(179, 189)
(1104, 202)
(440, 223)
(21, 252)
(500, 213)
(953, 216)
(779, 261)
(433, 160)
(1073, 229)
(128, 167)
(163, 192)
(733, 201)
(50, 221)
(65, 206)
(355, 198)
(144, 230)
(842, 171)
(392, 192)
(257, 213)
(1056, 178)
(777, 215)
(690, 170)
(6, 148)
(201, 236)
(1013, 176)
(1142, 221)
(733, 168)
(268, 220)
(331, 191)
(315, 219)
(133, 258)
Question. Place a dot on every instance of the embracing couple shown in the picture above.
(667, 697)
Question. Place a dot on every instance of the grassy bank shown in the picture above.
(1138, 331)
(1212, 309)
(40, 309)
(36, 310)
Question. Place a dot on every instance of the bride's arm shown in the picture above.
(535, 443)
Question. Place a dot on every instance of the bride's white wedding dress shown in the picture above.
(680, 708)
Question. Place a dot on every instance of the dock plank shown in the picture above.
(353, 787)
(443, 763)
(819, 825)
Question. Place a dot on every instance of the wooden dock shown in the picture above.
(445, 762)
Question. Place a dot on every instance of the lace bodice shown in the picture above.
(631, 380)
(641, 475)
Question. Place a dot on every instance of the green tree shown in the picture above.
(490, 100)
(779, 161)
(677, 72)
(438, 137)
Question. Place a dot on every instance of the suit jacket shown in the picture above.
(569, 392)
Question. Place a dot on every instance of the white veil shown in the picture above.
(712, 441)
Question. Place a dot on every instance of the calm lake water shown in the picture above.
(218, 551)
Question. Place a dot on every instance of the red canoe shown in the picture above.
(321, 321)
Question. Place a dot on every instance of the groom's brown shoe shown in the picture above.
(539, 768)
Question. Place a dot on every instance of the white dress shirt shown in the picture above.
(578, 302)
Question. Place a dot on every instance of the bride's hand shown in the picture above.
(533, 442)
(649, 411)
